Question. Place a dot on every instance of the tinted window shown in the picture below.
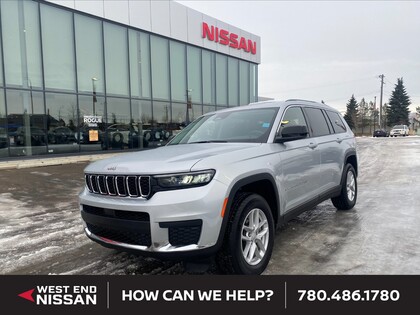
(317, 121)
(293, 117)
(336, 122)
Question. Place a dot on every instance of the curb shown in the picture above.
(8, 165)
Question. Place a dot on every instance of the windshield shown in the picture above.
(398, 127)
(251, 125)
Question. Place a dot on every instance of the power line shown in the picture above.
(327, 85)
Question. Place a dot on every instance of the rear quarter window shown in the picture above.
(336, 122)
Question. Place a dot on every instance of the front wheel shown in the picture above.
(249, 238)
(348, 196)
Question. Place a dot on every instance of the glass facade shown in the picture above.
(71, 82)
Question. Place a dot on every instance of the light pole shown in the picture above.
(189, 106)
(94, 100)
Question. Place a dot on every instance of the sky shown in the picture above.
(329, 50)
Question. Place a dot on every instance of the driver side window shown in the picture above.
(293, 117)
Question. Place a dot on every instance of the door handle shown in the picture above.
(339, 140)
(312, 145)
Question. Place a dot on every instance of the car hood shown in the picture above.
(167, 159)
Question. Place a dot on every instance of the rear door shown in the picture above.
(329, 146)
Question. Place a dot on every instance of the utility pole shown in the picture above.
(374, 114)
(380, 100)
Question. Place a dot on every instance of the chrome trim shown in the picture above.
(141, 190)
(116, 185)
(164, 248)
(128, 186)
(99, 185)
(137, 192)
(87, 179)
(107, 186)
(91, 183)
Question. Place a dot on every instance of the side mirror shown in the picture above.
(291, 133)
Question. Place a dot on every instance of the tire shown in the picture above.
(241, 245)
(348, 196)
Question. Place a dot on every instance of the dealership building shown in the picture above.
(94, 75)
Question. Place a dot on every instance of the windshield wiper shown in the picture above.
(209, 141)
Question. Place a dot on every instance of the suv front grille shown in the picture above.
(119, 185)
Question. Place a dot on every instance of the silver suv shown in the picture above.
(399, 130)
(223, 184)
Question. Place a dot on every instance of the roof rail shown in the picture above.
(296, 99)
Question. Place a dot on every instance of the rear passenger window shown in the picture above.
(318, 124)
(336, 122)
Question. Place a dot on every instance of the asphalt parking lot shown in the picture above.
(41, 230)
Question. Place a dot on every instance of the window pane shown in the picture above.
(119, 133)
(194, 74)
(22, 46)
(208, 109)
(26, 122)
(61, 123)
(4, 143)
(91, 122)
(244, 82)
(179, 114)
(57, 44)
(336, 122)
(161, 123)
(233, 82)
(195, 112)
(317, 122)
(116, 59)
(1, 66)
(253, 93)
(141, 120)
(209, 77)
(139, 64)
(221, 79)
(178, 72)
(160, 67)
(293, 116)
(89, 56)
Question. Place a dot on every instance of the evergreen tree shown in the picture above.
(397, 111)
(351, 113)
(363, 109)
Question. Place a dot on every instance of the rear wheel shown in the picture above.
(348, 196)
(249, 238)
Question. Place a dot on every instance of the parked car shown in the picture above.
(399, 130)
(61, 135)
(222, 185)
(3, 138)
(120, 136)
(37, 136)
(380, 133)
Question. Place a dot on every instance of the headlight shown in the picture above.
(185, 179)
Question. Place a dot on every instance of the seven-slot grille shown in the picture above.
(119, 185)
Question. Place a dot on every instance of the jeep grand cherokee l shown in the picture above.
(223, 184)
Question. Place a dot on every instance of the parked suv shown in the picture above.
(399, 130)
(222, 185)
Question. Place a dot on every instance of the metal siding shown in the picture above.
(166, 18)
(140, 14)
(116, 10)
(160, 17)
(179, 21)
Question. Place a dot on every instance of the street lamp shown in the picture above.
(94, 100)
(189, 106)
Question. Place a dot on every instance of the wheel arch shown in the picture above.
(262, 184)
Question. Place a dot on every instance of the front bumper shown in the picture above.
(177, 222)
